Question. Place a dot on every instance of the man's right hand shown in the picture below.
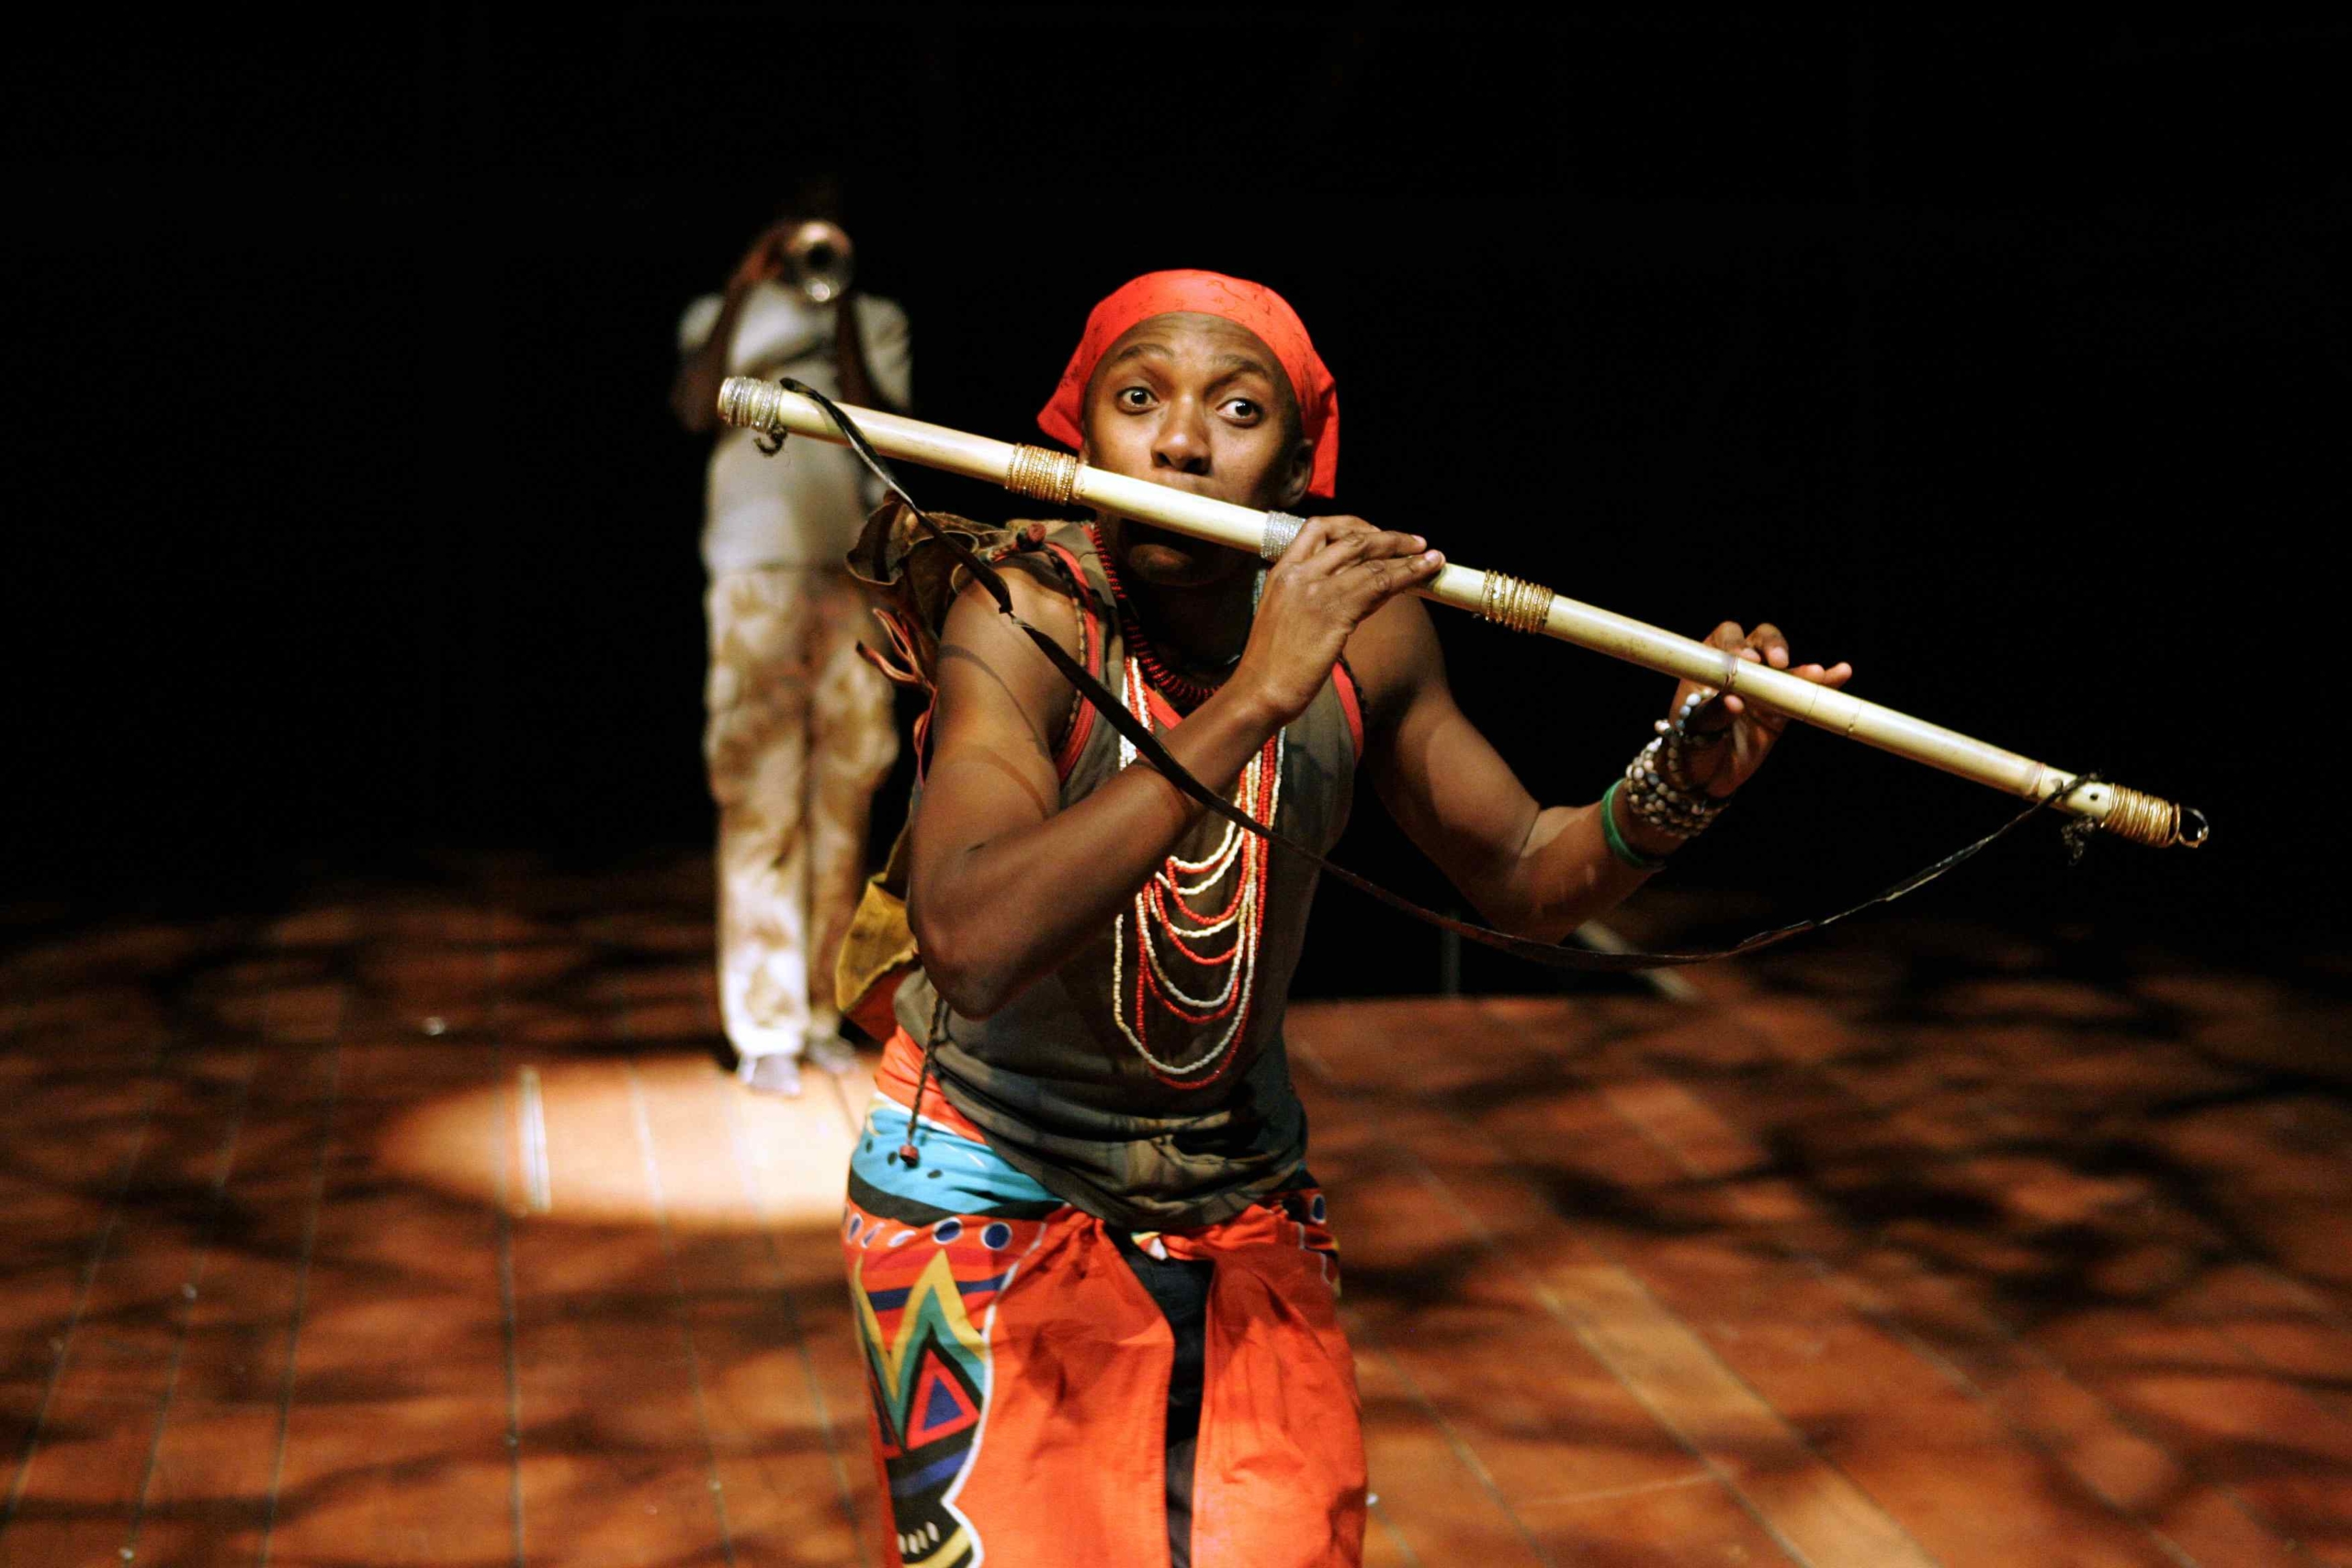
(764, 260)
(1339, 570)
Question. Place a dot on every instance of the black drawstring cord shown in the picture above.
(1139, 735)
(907, 1151)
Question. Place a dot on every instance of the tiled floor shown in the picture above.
(416, 1227)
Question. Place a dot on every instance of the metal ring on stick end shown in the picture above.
(2146, 819)
(2136, 816)
(748, 404)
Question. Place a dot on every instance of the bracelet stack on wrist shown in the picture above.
(1659, 789)
(1627, 855)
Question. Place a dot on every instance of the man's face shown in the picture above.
(1197, 403)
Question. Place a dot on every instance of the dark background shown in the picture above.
(349, 524)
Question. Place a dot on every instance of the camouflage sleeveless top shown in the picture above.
(1092, 1080)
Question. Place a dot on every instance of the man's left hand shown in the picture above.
(1728, 739)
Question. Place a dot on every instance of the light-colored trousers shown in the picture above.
(800, 733)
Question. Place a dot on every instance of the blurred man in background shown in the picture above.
(799, 729)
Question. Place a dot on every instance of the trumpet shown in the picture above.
(819, 260)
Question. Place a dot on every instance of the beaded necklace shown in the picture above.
(1179, 914)
(1183, 693)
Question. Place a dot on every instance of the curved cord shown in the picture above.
(1114, 712)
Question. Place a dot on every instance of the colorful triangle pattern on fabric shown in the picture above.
(942, 1405)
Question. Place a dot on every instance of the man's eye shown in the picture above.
(1135, 399)
(1242, 408)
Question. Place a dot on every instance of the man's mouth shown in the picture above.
(1192, 484)
(1151, 534)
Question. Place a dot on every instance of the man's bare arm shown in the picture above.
(694, 393)
(1535, 871)
(1005, 885)
(858, 385)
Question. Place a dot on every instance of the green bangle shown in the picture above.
(1626, 854)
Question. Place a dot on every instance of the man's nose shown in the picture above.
(1182, 440)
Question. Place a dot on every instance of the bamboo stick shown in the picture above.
(747, 401)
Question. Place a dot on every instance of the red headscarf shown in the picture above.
(1250, 305)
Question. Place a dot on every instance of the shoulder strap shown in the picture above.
(1350, 691)
(1094, 646)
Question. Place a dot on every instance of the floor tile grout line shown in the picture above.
(842, 1493)
(1638, 1489)
(1893, 1325)
(2336, 1405)
(1886, 1321)
(501, 1202)
(329, 1106)
(1853, 1293)
(2007, 1333)
(17, 1012)
(99, 1248)
(1378, 1512)
(851, 1120)
(193, 1293)
(1694, 1074)
(2320, 1304)
(739, 1137)
(2315, 1307)
(680, 1312)
(1890, 1323)
(1361, 1331)
(1558, 1311)
(2318, 1308)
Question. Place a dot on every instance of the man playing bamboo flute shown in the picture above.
(1095, 1282)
